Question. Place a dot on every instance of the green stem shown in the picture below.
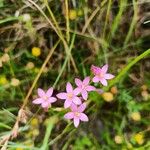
(133, 23)
(50, 124)
(65, 62)
(67, 128)
(126, 69)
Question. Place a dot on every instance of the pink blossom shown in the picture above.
(70, 96)
(77, 114)
(83, 87)
(101, 74)
(45, 98)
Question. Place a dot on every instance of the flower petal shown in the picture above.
(84, 94)
(62, 95)
(76, 122)
(86, 80)
(78, 82)
(95, 70)
(46, 104)
(69, 115)
(49, 92)
(77, 90)
(108, 76)
(67, 103)
(104, 68)
(74, 107)
(96, 79)
(52, 100)
(82, 107)
(41, 93)
(90, 88)
(38, 101)
(83, 117)
(103, 81)
(77, 100)
(69, 88)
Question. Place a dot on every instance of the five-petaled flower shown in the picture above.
(77, 114)
(45, 98)
(70, 96)
(101, 74)
(83, 87)
(74, 97)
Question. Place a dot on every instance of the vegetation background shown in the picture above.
(46, 43)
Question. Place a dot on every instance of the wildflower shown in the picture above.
(14, 82)
(139, 138)
(26, 17)
(72, 14)
(83, 87)
(30, 65)
(101, 74)
(3, 80)
(136, 116)
(45, 98)
(77, 114)
(118, 139)
(36, 51)
(70, 96)
(108, 96)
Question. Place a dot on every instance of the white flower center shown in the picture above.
(45, 97)
(70, 95)
(100, 75)
(77, 114)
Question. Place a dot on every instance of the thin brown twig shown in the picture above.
(14, 130)
(57, 30)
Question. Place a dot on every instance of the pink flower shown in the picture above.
(45, 98)
(77, 114)
(83, 87)
(70, 96)
(101, 74)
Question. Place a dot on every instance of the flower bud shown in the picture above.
(145, 95)
(72, 14)
(136, 116)
(108, 96)
(5, 58)
(3, 80)
(139, 138)
(118, 139)
(14, 82)
(114, 90)
(30, 65)
(36, 51)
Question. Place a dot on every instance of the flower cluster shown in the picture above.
(74, 97)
